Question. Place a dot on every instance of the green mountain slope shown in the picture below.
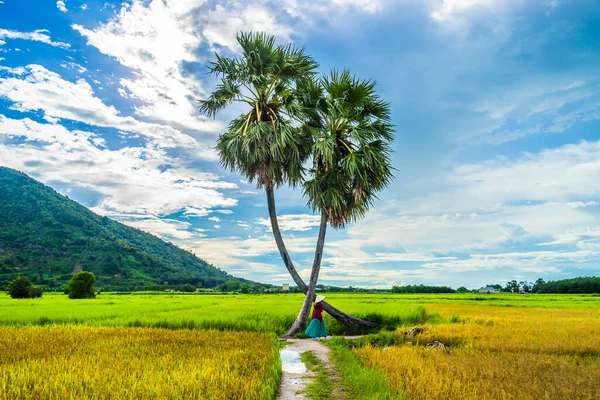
(48, 237)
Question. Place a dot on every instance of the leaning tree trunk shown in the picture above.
(344, 318)
(302, 317)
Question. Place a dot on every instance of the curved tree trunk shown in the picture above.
(344, 318)
(302, 317)
(279, 239)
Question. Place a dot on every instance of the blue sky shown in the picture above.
(496, 105)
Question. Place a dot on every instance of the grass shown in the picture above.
(257, 313)
(134, 363)
(503, 346)
(359, 382)
(321, 388)
(495, 353)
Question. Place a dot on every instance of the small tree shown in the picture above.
(20, 288)
(512, 286)
(35, 292)
(82, 286)
(188, 287)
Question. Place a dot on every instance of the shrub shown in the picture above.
(19, 288)
(82, 286)
(36, 292)
(187, 288)
(22, 288)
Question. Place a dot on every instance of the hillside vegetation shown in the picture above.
(48, 237)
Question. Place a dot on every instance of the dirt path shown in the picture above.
(293, 383)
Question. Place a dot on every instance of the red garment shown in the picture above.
(318, 311)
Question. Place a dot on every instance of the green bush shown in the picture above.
(188, 288)
(19, 288)
(36, 292)
(82, 286)
(22, 288)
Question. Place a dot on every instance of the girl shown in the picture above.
(316, 328)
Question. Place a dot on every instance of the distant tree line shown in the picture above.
(422, 289)
(568, 286)
(581, 285)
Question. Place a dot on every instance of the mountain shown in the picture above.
(48, 237)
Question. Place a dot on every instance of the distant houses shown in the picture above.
(488, 289)
(285, 287)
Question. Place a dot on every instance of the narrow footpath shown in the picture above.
(295, 377)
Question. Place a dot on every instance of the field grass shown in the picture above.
(183, 346)
(134, 363)
(321, 387)
(496, 353)
(359, 381)
(258, 313)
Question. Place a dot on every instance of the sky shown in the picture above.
(496, 106)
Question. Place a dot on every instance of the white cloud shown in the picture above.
(221, 24)
(535, 261)
(164, 228)
(447, 10)
(293, 222)
(195, 212)
(486, 207)
(84, 7)
(567, 173)
(61, 5)
(73, 65)
(154, 39)
(583, 237)
(40, 35)
(129, 180)
(235, 251)
(35, 88)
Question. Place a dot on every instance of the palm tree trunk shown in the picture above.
(279, 239)
(344, 318)
(302, 317)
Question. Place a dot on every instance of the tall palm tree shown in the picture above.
(352, 133)
(264, 143)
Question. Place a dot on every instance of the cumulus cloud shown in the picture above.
(35, 88)
(221, 24)
(129, 180)
(236, 251)
(40, 35)
(62, 6)
(164, 228)
(154, 39)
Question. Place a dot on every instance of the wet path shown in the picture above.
(295, 376)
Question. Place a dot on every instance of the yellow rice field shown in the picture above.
(136, 363)
(497, 353)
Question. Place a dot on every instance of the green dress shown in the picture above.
(316, 328)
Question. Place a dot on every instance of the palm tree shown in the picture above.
(263, 144)
(270, 142)
(352, 132)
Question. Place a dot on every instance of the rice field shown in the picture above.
(497, 353)
(161, 346)
(257, 313)
(135, 363)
